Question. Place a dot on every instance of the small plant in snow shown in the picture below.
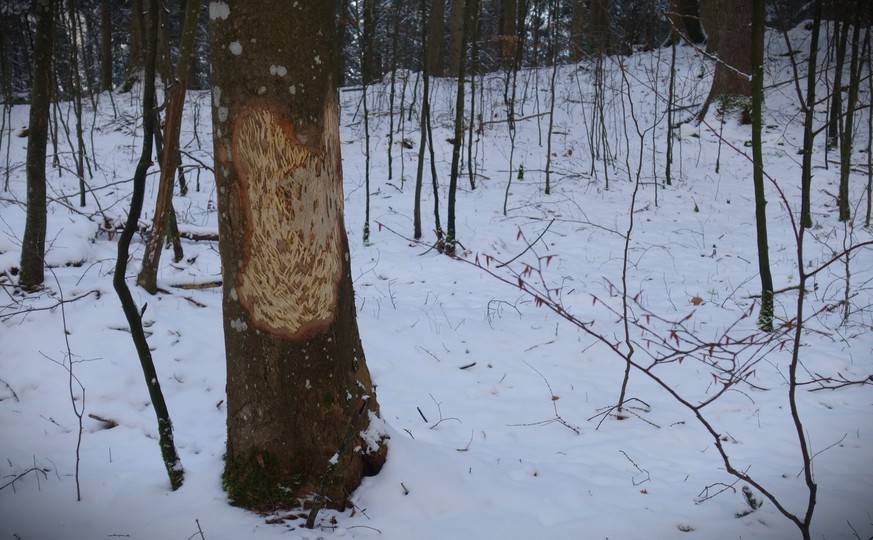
(752, 503)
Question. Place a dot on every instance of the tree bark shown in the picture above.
(456, 47)
(451, 233)
(148, 275)
(33, 243)
(728, 24)
(436, 23)
(598, 26)
(300, 402)
(756, 59)
(508, 37)
(133, 315)
(809, 118)
(106, 45)
(685, 18)
(577, 32)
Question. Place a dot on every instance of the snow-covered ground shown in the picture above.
(497, 408)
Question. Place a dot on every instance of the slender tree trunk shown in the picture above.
(553, 12)
(33, 243)
(841, 36)
(809, 119)
(451, 233)
(370, 66)
(847, 122)
(392, 93)
(106, 45)
(869, 47)
(165, 425)
(73, 30)
(422, 146)
(765, 317)
(300, 403)
(366, 236)
(164, 213)
(474, 66)
(671, 98)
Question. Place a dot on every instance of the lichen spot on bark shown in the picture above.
(292, 199)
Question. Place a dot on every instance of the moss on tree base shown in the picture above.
(255, 483)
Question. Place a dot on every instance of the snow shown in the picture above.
(495, 407)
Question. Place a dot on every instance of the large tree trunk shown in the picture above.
(599, 27)
(730, 40)
(509, 36)
(456, 47)
(685, 19)
(729, 27)
(33, 244)
(577, 32)
(436, 27)
(299, 397)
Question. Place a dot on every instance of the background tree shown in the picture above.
(132, 313)
(162, 217)
(685, 18)
(756, 59)
(299, 394)
(106, 45)
(437, 25)
(33, 244)
(729, 42)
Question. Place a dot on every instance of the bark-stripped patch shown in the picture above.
(292, 197)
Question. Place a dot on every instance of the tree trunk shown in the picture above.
(33, 244)
(106, 45)
(371, 64)
(343, 17)
(756, 59)
(134, 54)
(847, 122)
(451, 233)
(841, 37)
(685, 19)
(577, 32)
(508, 35)
(730, 41)
(172, 463)
(300, 401)
(456, 47)
(164, 211)
(598, 26)
(809, 118)
(436, 22)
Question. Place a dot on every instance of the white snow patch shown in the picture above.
(235, 48)
(219, 10)
(238, 325)
(280, 71)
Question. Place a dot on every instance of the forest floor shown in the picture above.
(500, 411)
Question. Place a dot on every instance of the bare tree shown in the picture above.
(33, 244)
